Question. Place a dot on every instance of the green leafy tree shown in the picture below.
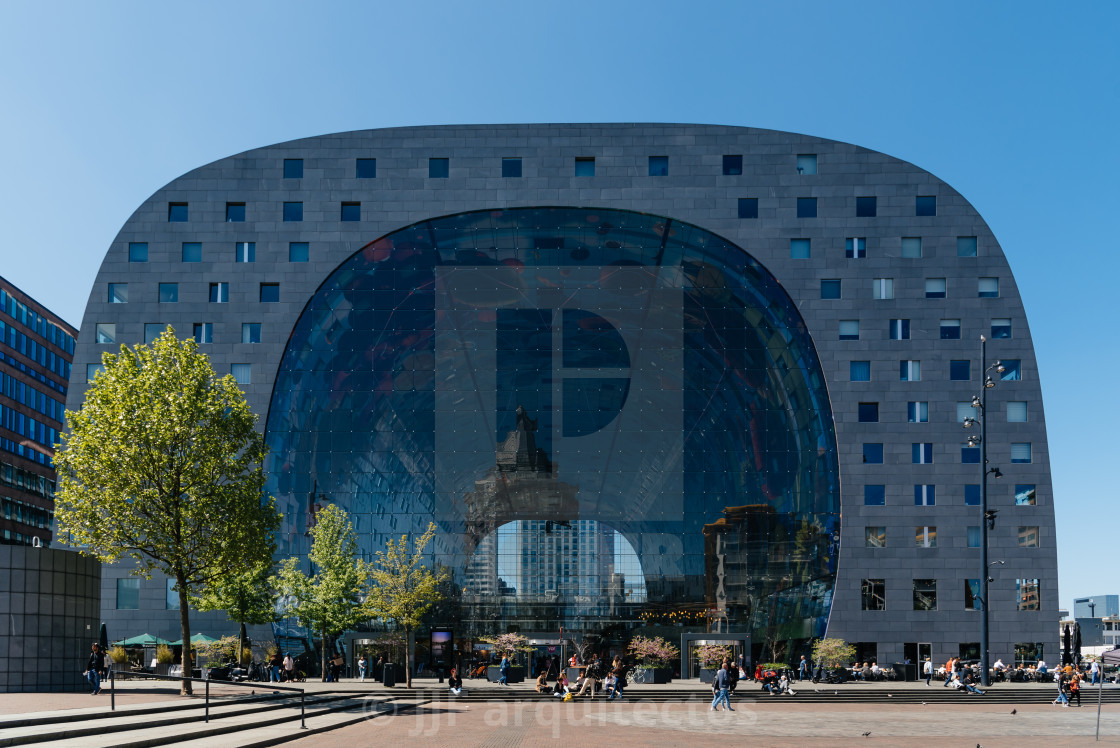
(327, 601)
(247, 597)
(163, 464)
(403, 588)
(833, 652)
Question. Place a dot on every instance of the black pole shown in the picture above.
(985, 679)
(207, 700)
(112, 692)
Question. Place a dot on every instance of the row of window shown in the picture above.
(242, 373)
(855, 248)
(32, 320)
(910, 370)
(36, 431)
(873, 594)
(18, 538)
(32, 349)
(866, 207)
(925, 494)
(917, 411)
(25, 451)
(921, 453)
(926, 536)
(268, 293)
(948, 329)
(242, 252)
(935, 288)
(26, 481)
(36, 375)
(128, 594)
(27, 395)
(18, 511)
(203, 332)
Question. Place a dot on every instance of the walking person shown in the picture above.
(362, 669)
(927, 670)
(721, 685)
(1062, 698)
(289, 667)
(503, 671)
(1075, 687)
(94, 667)
(1095, 672)
(802, 670)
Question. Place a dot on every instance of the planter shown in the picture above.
(516, 674)
(164, 669)
(657, 675)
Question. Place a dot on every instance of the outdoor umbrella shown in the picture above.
(103, 638)
(1077, 644)
(1066, 659)
(144, 640)
(196, 639)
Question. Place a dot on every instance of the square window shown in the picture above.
(235, 212)
(987, 288)
(874, 495)
(748, 207)
(965, 410)
(925, 205)
(873, 453)
(970, 455)
(270, 293)
(921, 453)
(830, 288)
(866, 207)
(1027, 593)
(925, 536)
(925, 495)
(128, 593)
(855, 248)
(875, 537)
(1028, 536)
(859, 371)
(92, 370)
(869, 412)
(935, 288)
(1016, 411)
(365, 168)
(849, 329)
(950, 329)
(293, 212)
(1020, 452)
(585, 166)
(511, 167)
(900, 329)
(806, 163)
(245, 252)
(966, 246)
(203, 332)
(909, 371)
(1024, 494)
(972, 494)
(152, 330)
(299, 252)
(806, 207)
(799, 249)
(1001, 328)
(118, 293)
(882, 288)
(1012, 370)
(439, 168)
(912, 247)
(137, 251)
(917, 412)
(960, 371)
(973, 537)
(106, 332)
(659, 166)
(192, 252)
(925, 594)
(242, 373)
(168, 293)
(351, 212)
(177, 212)
(251, 332)
(732, 166)
(293, 168)
(219, 293)
(873, 594)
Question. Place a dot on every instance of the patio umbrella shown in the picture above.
(1065, 652)
(103, 638)
(143, 640)
(1077, 644)
(196, 639)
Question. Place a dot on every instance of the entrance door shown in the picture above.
(917, 652)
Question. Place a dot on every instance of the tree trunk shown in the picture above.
(242, 636)
(185, 624)
(323, 647)
(408, 657)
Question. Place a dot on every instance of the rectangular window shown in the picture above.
(900, 329)
(909, 371)
(585, 167)
(874, 495)
(960, 371)
(806, 163)
(799, 249)
(873, 594)
(242, 373)
(875, 537)
(1012, 370)
(128, 593)
(270, 293)
(91, 371)
(855, 248)
(251, 332)
(299, 252)
(973, 536)
(192, 252)
(439, 168)
(1024, 494)
(966, 246)
(203, 332)
(806, 207)
(511, 167)
(1001, 328)
(935, 288)
(917, 412)
(925, 494)
(293, 168)
(925, 205)
(965, 410)
(351, 212)
(106, 332)
(1016, 411)
(849, 329)
(659, 166)
(950, 329)
(987, 288)
(293, 212)
(873, 453)
(869, 412)
(912, 247)
(971, 594)
(748, 207)
(235, 212)
(830, 288)
(152, 330)
(177, 213)
(882, 288)
(118, 293)
(137, 251)
(921, 453)
(866, 207)
(925, 594)
(168, 293)
(925, 536)
(732, 166)
(171, 601)
(859, 371)
(1028, 536)
(970, 455)
(1020, 452)
(245, 252)
(365, 168)
(1027, 593)
(219, 293)
(972, 494)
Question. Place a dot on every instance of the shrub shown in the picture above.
(164, 655)
(712, 655)
(652, 651)
(118, 655)
(833, 652)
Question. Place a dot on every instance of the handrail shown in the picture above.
(302, 692)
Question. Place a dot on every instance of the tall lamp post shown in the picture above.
(987, 517)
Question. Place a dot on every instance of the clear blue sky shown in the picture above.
(1014, 104)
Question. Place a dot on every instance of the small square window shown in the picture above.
(855, 248)
(874, 495)
(732, 166)
(439, 168)
(917, 412)
(799, 249)
(921, 453)
(293, 168)
(299, 252)
(585, 166)
(1016, 411)
(806, 207)
(950, 329)
(659, 166)
(966, 246)
(511, 167)
(203, 332)
(351, 212)
(912, 247)
(935, 288)
(1012, 370)
(970, 455)
(988, 288)
(974, 538)
(177, 212)
(92, 371)
(909, 371)
(925, 205)
(1020, 452)
(192, 252)
(875, 537)
(925, 536)
(748, 207)
(235, 212)
(849, 329)
(873, 453)
(1028, 536)
(270, 293)
(830, 288)
(293, 212)
(972, 494)
(866, 207)
(924, 495)
(251, 332)
(965, 410)
(806, 163)
(168, 293)
(219, 293)
(882, 288)
(118, 293)
(106, 332)
(152, 330)
(242, 373)
(869, 412)
(900, 329)
(245, 252)
(1001, 328)
(1024, 494)
(137, 251)
(365, 168)
(859, 371)
(960, 371)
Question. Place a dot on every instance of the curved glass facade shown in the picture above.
(616, 420)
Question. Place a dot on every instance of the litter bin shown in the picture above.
(906, 671)
(389, 675)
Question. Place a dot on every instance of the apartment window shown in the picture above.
(859, 371)
(806, 207)
(972, 494)
(799, 249)
(866, 207)
(1001, 328)
(511, 167)
(299, 251)
(925, 537)
(873, 453)
(935, 288)
(1012, 370)
(1028, 536)
(91, 371)
(171, 598)
(177, 212)
(882, 288)
(873, 594)
(925, 205)
(137, 251)
(293, 168)
(912, 247)
(973, 536)
(242, 373)
(917, 412)
(900, 329)
(192, 252)
(748, 207)
(960, 371)
(874, 495)
(987, 288)
(219, 293)
(1020, 452)
(365, 168)
(585, 167)
(732, 166)
(849, 329)
(806, 163)
(970, 455)
(106, 332)
(925, 494)
(439, 168)
(128, 593)
(168, 293)
(293, 212)
(251, 332)
(921, 453)
(152, 330)
(118, 293)
(964, 410)
(659, 166)
(855, 248)
(203, 332)
(1016, 411)
(235, 212)
(1024, 494)
(1027, 593)
(875, 537)
(966, 246)
(971, 594)
(830, 288)
(869, 412)
(351, 212)
(270, 293)
(950, 329)
(245, 252)
(909, 371)
(925, 594)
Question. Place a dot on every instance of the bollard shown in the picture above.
(207, 699)
(302, 712)
(112, 692)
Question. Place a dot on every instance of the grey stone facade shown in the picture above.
(695, 190)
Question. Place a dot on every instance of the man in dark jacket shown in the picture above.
(721, 685)
(95, 667)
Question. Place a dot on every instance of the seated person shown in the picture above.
(784, 686)
(542, 683)
(866, 672)
(1041, 667)
(455, 683)
(876, 671)
(562, 686)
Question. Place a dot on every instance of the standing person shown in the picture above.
(1062, 698)
(1095, 671)
(336, 668)
(289, 667)
(949, 669)
(94, 667)
(927, 670)
(503, 671)
(362, 669)
(802, 670)
(455, 683)
(1075, 686)
(274, 665)
(721, 685)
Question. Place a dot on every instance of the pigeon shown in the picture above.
(1014, 711)
(890, 695)
(867, 733)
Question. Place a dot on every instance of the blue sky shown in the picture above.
(1015, 105)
